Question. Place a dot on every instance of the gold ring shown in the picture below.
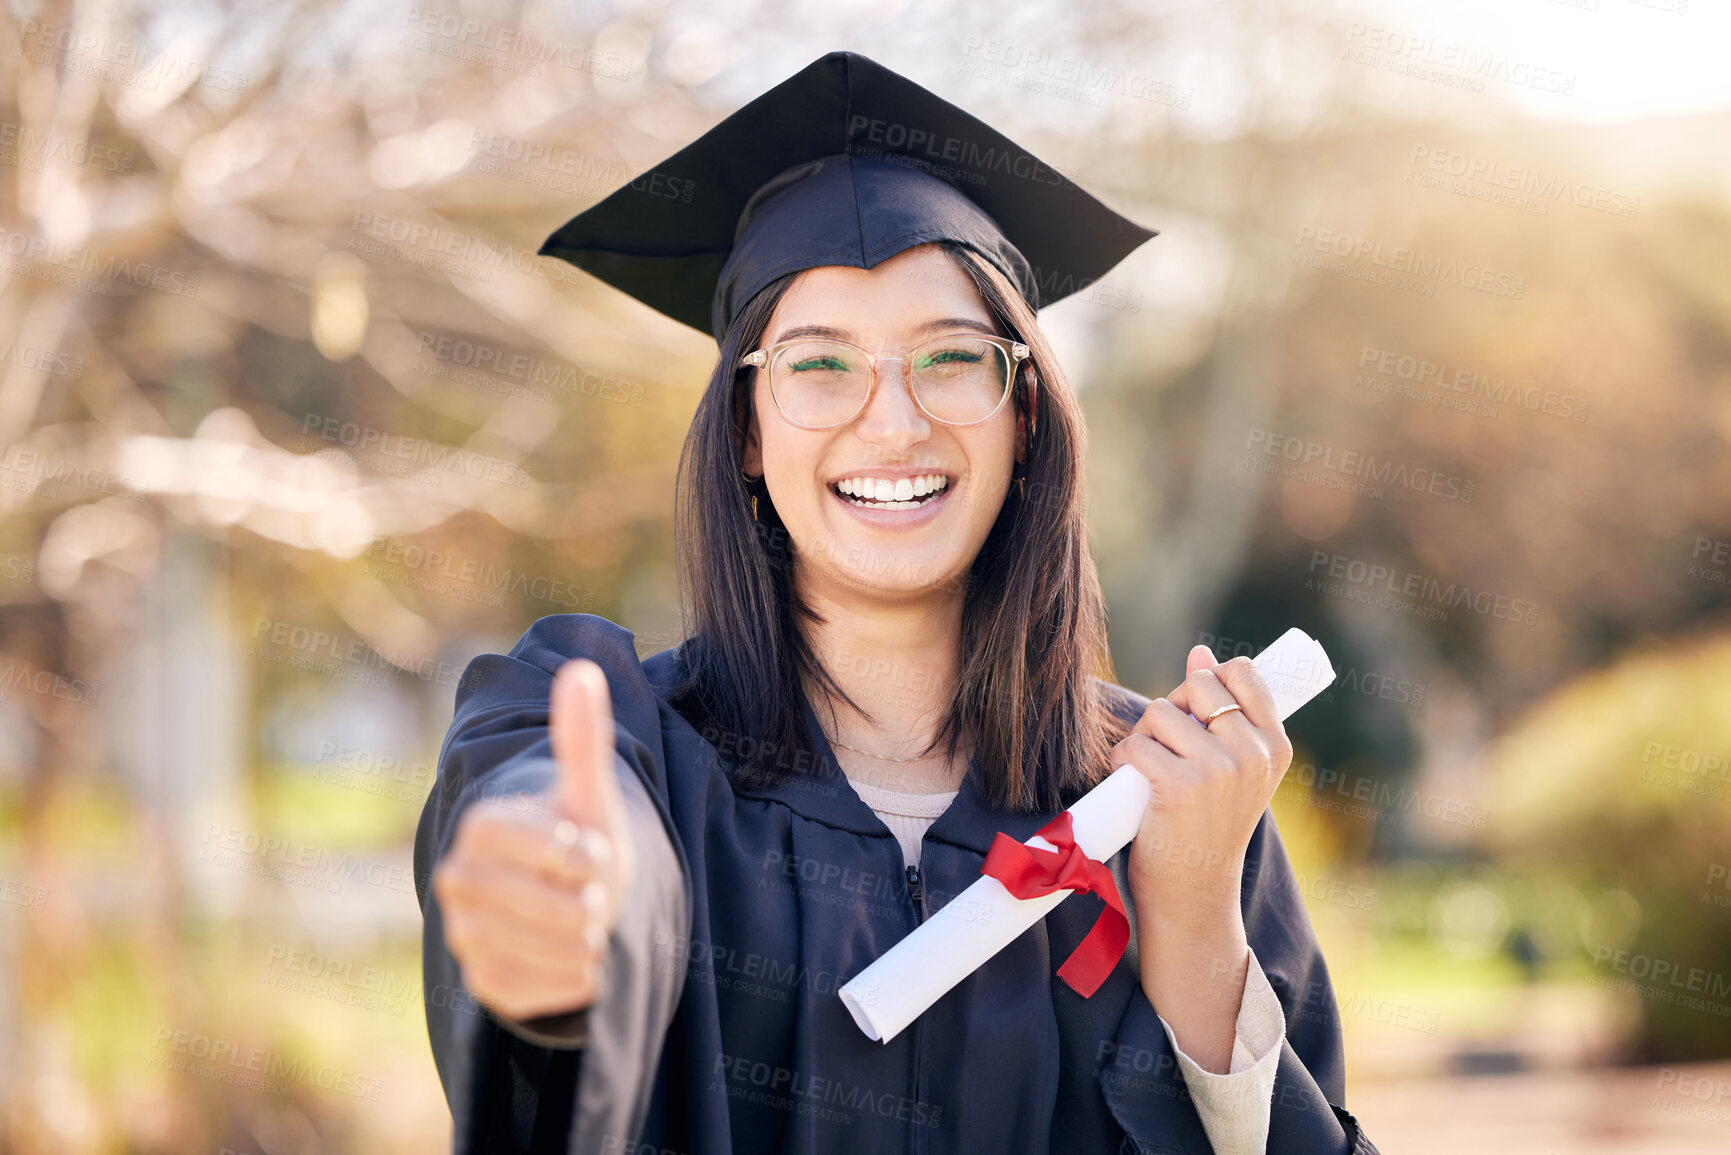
(557, 863)
(1223, 710)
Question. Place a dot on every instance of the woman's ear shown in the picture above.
(753, 463)
(1026, 423)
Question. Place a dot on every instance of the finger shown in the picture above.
(505, 835)
(581, 721)
(552, 912)
(1250, 689)
(494, 933)
(1206, 693)
(1200, 656)
(522, 992)
(1177, 731)
(1169, 775)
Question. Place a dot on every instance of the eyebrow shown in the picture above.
(945, 324)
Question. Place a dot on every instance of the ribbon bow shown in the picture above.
(1030, 872)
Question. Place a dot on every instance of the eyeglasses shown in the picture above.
(819, 383)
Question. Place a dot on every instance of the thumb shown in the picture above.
(581, 722)
(1200, 657)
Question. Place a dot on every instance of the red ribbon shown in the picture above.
(1030, 872)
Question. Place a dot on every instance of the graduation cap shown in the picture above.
(844, 163)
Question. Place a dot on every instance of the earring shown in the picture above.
(750, 488)
(1020, 474)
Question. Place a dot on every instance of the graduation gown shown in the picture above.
(719, 1029)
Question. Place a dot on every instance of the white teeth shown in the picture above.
(897, 494)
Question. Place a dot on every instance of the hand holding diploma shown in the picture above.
(529, 895)
(1213, 784)
(1208, 787)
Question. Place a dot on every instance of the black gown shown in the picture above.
(720, 1030)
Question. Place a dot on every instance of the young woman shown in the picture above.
(896, 649)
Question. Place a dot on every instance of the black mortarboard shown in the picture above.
(845, 163)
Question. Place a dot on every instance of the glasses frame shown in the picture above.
(1015, 350)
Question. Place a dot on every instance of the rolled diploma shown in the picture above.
(985, 918)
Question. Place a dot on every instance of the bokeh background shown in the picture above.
(1432, 358)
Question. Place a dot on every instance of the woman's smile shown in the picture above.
(893, 502)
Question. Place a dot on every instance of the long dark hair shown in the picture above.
(1033, 625)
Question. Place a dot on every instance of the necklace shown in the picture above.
(869, 754)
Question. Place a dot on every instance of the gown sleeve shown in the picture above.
(1234, 1107)
(583, 1080)
(1142, 1075)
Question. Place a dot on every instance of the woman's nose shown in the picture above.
(892, 417)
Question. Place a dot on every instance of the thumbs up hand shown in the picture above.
(530, 895)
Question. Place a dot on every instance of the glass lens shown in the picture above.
(819, 382)
(960, 379)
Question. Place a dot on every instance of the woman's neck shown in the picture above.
(899, 661)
